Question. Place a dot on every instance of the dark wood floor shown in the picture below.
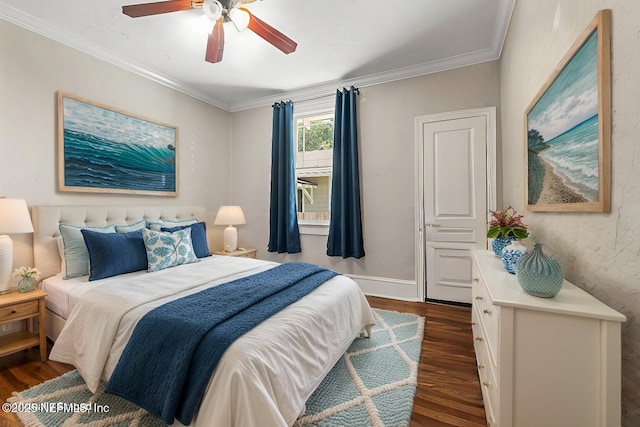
(448, 392)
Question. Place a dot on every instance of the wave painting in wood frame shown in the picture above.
(105, 150)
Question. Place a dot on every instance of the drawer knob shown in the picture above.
(479, 339)
(486, 311)
(13, 311)
(486, 383)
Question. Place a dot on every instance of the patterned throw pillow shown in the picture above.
(166, 250)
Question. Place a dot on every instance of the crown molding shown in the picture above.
(328, 88)
(55, 33)
(299, 94)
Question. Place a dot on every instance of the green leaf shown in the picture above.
(493, 232)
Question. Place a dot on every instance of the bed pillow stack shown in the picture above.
(102, 252)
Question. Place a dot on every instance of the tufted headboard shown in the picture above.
(46, 221)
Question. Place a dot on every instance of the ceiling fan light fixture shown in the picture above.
(240, 18)
(213, 9)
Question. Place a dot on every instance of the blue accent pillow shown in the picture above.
(131, 227)
(166, 250)
(76, 257)
(111, 254)
(198, 237)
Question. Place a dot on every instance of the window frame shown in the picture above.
(313, 227)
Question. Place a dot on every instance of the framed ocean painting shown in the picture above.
(103, 150)
(568, 129)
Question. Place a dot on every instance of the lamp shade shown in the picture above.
(230, 215)
(14, 217)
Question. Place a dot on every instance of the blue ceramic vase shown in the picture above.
(539, 274)
(500, 242)
(511, 254)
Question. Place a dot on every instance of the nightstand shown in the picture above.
(23, 306)
(245, 253)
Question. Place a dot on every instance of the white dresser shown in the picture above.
(544, 361)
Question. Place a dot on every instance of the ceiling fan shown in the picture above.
(220, 11)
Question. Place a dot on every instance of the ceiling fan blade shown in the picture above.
(215, 42)
(146, 9)
(270, 34)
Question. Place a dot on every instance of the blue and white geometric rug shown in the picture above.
(375, 381)
(373, 384)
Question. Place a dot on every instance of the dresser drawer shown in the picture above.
(488, 316)
(489, 386)
(17, 311)
(486, 372)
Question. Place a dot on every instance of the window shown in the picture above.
(314, 162)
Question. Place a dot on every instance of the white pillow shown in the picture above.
(131, 227)
(169, 223)
(60, 243)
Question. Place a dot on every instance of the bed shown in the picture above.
(264, 377)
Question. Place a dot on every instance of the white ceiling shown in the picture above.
(340, 42)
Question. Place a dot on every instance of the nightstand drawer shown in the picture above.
(247, 255)
(17, 311)
(16, 306)
(240, 253)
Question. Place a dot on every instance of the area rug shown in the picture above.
(373, 384)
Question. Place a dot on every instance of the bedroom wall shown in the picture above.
(387, 149)
(34, 68)
(598, 251)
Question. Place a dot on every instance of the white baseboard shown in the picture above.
(405, 290)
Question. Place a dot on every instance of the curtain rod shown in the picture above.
(313, 98)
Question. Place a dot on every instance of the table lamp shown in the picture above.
(230, 216)
(14, 219)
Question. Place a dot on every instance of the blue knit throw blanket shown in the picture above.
(174, 349)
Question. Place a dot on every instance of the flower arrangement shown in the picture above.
(507, 223)
(27, 273)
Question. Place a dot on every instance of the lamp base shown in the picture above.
(230, 238)
(6, 263)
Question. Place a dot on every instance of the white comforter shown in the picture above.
(264, 378)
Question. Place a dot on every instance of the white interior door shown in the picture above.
(454, 212)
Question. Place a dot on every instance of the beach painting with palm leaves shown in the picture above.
(564, 136)
(103, 150)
